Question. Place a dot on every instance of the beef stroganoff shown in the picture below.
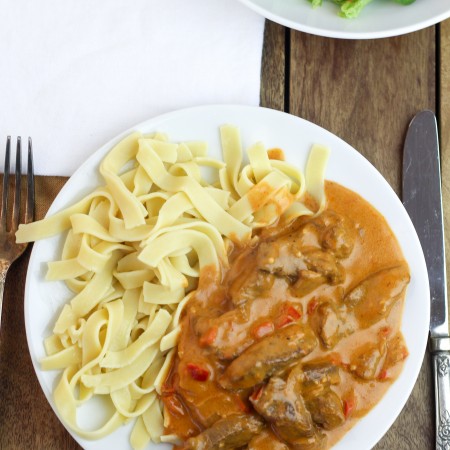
(300, 339)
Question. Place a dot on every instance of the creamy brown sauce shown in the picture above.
(224, 321)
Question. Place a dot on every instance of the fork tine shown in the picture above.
(29, 213)
(18, 183)
(4, 211)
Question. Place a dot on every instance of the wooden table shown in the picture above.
(365, 92)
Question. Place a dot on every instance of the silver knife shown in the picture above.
(422, 198)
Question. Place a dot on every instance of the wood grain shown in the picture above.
(444, 127)
(26, 418)
(273, 67)
(366, 92)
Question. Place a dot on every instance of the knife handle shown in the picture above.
(440, 354)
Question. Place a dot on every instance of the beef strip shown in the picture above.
(396, 351)
(269, 356)
(279, 256)
(373, 298)
(324, 263)
(266, 440)
(338, 234)
(309, 255)
(366, 304)
(319, 372)
(227, 335)
(281, 404)
(316, 378)
(307, 281)
(318, 441)
(229, 433)
(251, 283)
(332, 323)
(367, 360)
(325, 407)
(284, 258)
(234, 331)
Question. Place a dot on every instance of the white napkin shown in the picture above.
(75, 73)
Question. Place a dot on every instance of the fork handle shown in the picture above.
(4, 266)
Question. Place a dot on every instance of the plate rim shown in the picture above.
(357, 35)
(150, 124)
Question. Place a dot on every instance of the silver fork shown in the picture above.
(9, 250)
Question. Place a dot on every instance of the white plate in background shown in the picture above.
(380, 18)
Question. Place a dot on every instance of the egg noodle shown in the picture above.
(133, 254)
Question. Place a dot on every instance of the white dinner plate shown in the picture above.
(381, 18)
(44, 300)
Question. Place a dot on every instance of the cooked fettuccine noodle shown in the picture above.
(133, 254)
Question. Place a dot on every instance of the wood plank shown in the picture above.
(444, 127)
(273, 67)
(26, 418)
(366, 92)
(406, 81)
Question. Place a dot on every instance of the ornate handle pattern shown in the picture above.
(441, 370)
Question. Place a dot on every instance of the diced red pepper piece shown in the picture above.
(197, 373)
(241, 405)
(284, 320)
(383, 375)
(209, 337)
(312, 306)
(263, 330)
(335, 358)
(292, 312)
(349, 406)
(384, 331)
(289, 315)
(257, 393)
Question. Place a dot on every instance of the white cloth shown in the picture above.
(75, 73)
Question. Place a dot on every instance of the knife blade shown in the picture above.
(422, 198)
